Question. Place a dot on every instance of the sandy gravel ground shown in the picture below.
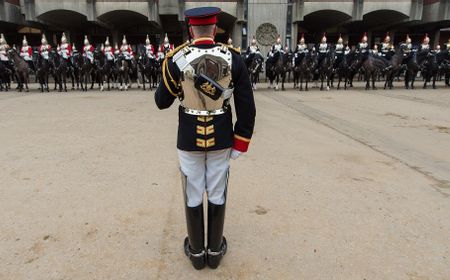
(336, 185)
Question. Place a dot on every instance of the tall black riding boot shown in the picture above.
(194, 243)
(217, 244)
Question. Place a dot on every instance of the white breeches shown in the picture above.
(205, 171)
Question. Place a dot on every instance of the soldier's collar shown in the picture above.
(203, 41)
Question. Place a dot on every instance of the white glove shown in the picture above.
(235, 154)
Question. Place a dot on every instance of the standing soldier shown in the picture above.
(88, 49)
(45, 48)
(125, 49)
(149, 50)
(387, 47)
(205, 132)
(109, 52)
(65, 48)
(26, 52)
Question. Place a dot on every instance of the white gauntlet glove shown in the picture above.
(235, 154)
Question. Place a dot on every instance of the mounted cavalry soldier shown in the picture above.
(65, 48)
(375, 51)
(44, 48)
(204, 82)
(74, 50)
(387, 48)
(88, 50)
(302, 48)
(425, 46)
(339, 49)
(363, 46)
(165, 47)
(407, 46)
(4, 48)
(108, 51)
(252, 51)
(437, 49)
(126, 50)
(253, 48)
(26, 52)
(277, 47)
(324, 48)
(149, 49)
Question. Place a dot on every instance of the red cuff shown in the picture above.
(241, 143)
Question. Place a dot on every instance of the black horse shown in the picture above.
(122, 68)
(43, 72)
(275, 70)
(85, 71)
(325, 68)
(22, 70)
(148, 68)
(105, 70)
(254, 64)
(61, 69)
(306, 69)
(4, 77)
(430, 70)
(393, 67)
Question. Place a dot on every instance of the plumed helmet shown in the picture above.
(324, 38)
(58, 47)
(279, 40)
(364, 37)
(63, 38)
(340, 40)
(44, 40)
(387, 39)
(230, 41)
(166, 39)
(116, 45)
(124, 40)
(24, 41)
(408, 39)
(147, 40)
(438, 47)
(2, 39)
(302, 39)
(102, 47)
(253, 40)
(107, 41)
(86, 40)
(74, 48)
(375, 47)
(426, 39)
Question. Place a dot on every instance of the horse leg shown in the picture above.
(374, 77)
(367, 78)
(434, 81)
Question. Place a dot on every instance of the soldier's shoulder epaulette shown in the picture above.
(174, 51)
(231, 48)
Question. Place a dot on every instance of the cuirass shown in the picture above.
(214, 63)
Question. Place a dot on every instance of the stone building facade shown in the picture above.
(241, 19)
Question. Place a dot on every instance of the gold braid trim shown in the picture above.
(166, 83)
(238, 50)
(165, 69)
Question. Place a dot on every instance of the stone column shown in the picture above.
(436, 39)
